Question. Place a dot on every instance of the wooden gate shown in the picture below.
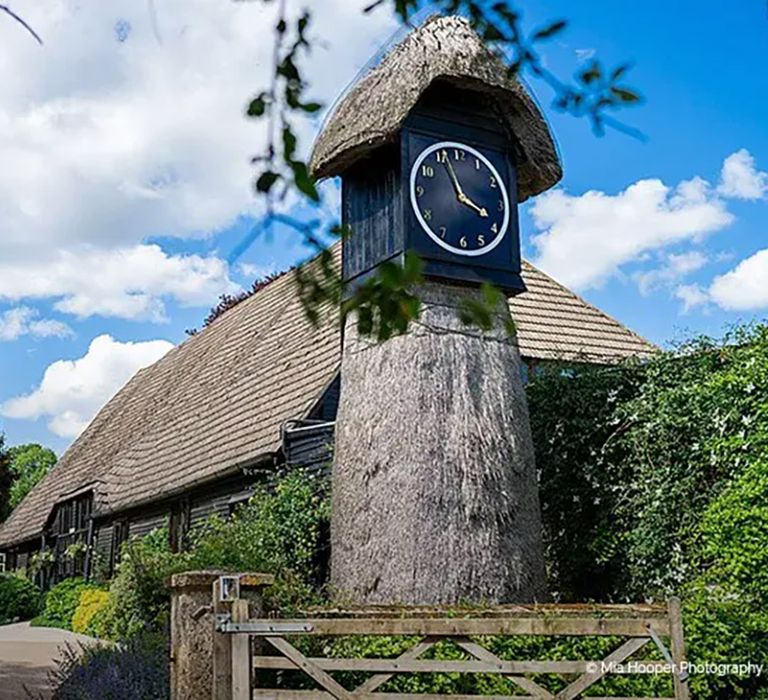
(247, 648)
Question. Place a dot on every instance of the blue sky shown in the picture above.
(125, 180)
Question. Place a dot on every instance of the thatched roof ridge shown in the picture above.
(217, 401)
(446, 49)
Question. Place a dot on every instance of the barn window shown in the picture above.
(69, 536)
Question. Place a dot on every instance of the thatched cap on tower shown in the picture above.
(446, 49)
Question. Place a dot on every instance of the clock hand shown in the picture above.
(480, 210)
(452, 173)
(460, 192)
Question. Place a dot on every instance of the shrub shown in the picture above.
(136, 670)
(727, 603)
(20, 599)
(92, 602)
(138, 601)
(658, 471)
(282, 530)
(575, 423)
(61, 602)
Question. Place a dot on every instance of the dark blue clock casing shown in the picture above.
(377, 202)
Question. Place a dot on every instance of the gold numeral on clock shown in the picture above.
(459, 155)
(427, 215)
(494, 228)
(493, 181)
(442, 231)
(427, 171)
(419, 191)
(477, 164)
(463, 242)
(481, 240)
(501, 205)
(442, 156)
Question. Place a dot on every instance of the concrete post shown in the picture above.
(193, 628)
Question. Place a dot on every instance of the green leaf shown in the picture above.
(266, 180)
(288, 69)
(258, 106)
(390, 275)
(626, 95)
(412, 268)
(550, 31)
(619, 71)
(289, 143)
(303, 181)
(364, 320)
(311, 107)
(591, 74)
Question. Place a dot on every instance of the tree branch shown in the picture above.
(20, 20)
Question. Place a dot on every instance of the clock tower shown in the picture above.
(435, 498)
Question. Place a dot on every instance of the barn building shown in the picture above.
(256, 390)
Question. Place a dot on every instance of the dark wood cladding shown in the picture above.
(309, 445)
(375, 197)
(372, 202)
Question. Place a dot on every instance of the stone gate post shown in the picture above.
(193, 632)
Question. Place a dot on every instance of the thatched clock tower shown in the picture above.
(435, 496)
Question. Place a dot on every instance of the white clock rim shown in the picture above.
(414, 203)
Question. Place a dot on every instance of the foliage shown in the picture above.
(20, 599)
(282, 530)
(229, 301)
(506, 648)
(76, 549)
(40, 561)
(727, 603)
(138, 600)
(92, 602)
(279, 531)
(61, 602)
(654, 481)
(29, 464)
(6, 479)
(575, 427)
(135, 670)
(700, 421)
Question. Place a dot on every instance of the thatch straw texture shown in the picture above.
(435, 497)
(444, 48)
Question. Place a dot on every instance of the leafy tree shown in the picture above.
(6, 479)
(29, 464)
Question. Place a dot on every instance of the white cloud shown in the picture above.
(692, 295)
(745, 287)
(129, 125)
(586, 239)
(24, 320)
(72, 391)
(740, 177)
(674, 268)
(127, 283)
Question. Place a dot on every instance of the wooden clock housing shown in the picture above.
(376, 199)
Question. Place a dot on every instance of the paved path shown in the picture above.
(27, 654)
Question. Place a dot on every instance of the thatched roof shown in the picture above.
(446, 49)
(217, 401)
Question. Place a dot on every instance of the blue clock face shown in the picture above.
(459, 198)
